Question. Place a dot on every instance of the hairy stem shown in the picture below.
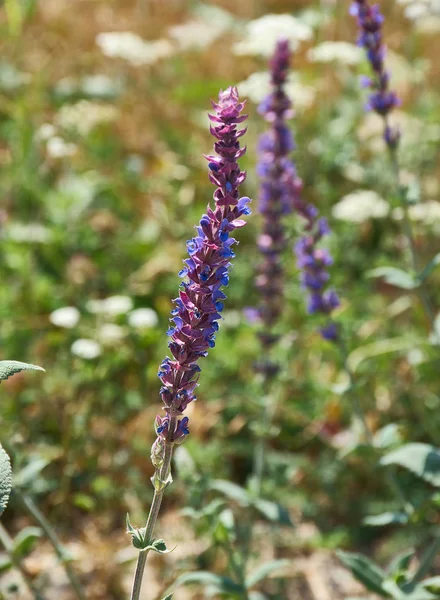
(8, 545)
(164, 475)
(54, 540)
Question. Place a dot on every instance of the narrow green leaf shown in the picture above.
(421, 459)
(266, 569)
(365, 571)
(359, 355)
(205, 578)
(10, 367)
(25, 540)
(5, 479)
(386, 518)
(231, 490)
(29, 473)
(5, 563)
(432, 584)
(417, 593)
(401, 562)
(396, 277)
(169, 597)
(272, 511)
(433, 263)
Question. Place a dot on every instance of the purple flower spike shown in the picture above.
(200, 301)
(382, 100)
(276, 171)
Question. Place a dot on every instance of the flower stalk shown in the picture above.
(198, 306)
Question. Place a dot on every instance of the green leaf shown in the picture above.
(396, 277)
(274, 512)
(266, 569)
(231, 490)
(24, 541)
(205, 578)
(5, 563)
(359, 355)
(5, 479)
(10, 367)
(387, 436)
(29, 473)
(421, 459)
(401, 562)
(386, 518)
(432, 584)
(169, 597)
(417, 593)
(365, 571)
(433, 263)
(160, 547)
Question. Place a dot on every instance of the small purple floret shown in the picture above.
(199, 304)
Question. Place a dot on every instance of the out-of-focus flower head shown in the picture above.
(262, 35)
(382, 100)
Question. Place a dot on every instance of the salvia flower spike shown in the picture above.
(198, 307)
(274, 168)
(382, 100)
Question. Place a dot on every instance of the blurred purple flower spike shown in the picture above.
(382, 100)
(200, 302)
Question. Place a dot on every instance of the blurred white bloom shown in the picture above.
(341, 52)
(359, 206)
(110, 332)
(257, 86)
(354, 172)
(428, 25)
(85, 348)
(58, 148)
(143, 318)
(27, 232)
(46, 131)
(196, 33)
(424, 212)
(262, 34)
(112, 306)
(67, 317)
(84, 116)
(132, 48)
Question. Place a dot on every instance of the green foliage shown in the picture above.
(10, 367)
(421, 459)
(5, 479)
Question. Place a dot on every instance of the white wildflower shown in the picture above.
(341, 52)
(67, 317)
(257, 86)
(132, 48)
(27, 232)
(112, 306)
(143, 318)
(110, 332)
(196, 33)
(85, 348)
(261, 35)
(424, 212)
(45, 132)
(84, 116)
(58, 148)
(360, 206)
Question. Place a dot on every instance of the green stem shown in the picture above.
(409, 234)
(54, 540)
(164, 475)
(8, 545)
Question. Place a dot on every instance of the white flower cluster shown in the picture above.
(360, 206)
(84, 116)
(261, 35)
(343, 53)
(132, 48)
